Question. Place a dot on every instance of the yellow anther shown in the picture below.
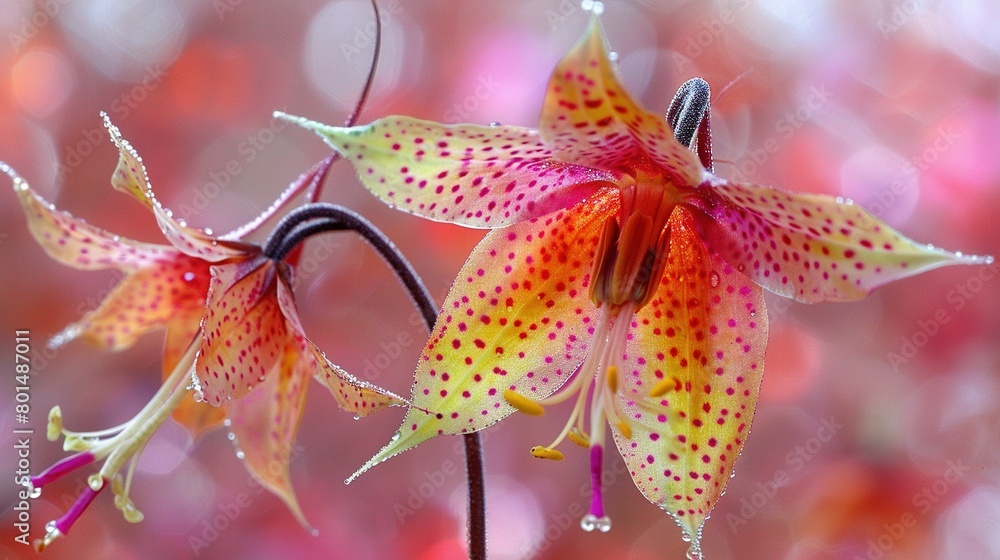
(578, 437)
(612, 378)
(546, 453)
(123, 502)
(55, 426)
(523, 403)
(663, 387)
(624, 428)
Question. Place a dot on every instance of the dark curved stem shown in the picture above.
(312, 219)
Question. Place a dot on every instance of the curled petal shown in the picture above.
(76, 243)
(699, 346)
(130, 177)
(352, 394)
(308, 180)
(591, 119)
(265, 423)
(517, 318)
(479, 176)
(810, 247)
(243, 328)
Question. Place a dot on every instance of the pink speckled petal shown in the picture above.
(244, 330)
(155, 296)
(810, 247)
(130, 177)
(352, 394)
(265, 423)
(518, 317)
(479, 176)
(705, 332)
(589, 118)
(76, 243)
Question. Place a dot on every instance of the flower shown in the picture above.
(231, 320)
(619, 272)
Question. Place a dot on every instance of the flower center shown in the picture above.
(598, 378)
(633, 246)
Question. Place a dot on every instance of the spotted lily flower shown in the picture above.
(620, 273)
(233, 334)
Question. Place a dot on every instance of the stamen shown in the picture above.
(55, 427)
(664, 386)
(624, 428)
(578, 437)
(125, 444)
(122, 501)
(612, 378)
(523, 403)
(547, 453)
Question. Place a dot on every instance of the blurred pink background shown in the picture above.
(878, 430)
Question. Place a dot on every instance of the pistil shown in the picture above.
(597, 378)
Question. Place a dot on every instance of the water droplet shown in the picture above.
(597, 8)
(742, 267)
(231, 436)
(95, 482)
(958, 254)
(840, 200)
(591, 522)
(613, 56)
(694, 553)
(240, 455)
(495, 123)
(50, 527)
(34, 492)
(198, 397)
(685, 537)
(227, 422)
(208, 231)
(714, 279)
(182, 223)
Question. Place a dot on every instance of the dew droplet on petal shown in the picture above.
(597, 8)
(590, 522)
(714, 279)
